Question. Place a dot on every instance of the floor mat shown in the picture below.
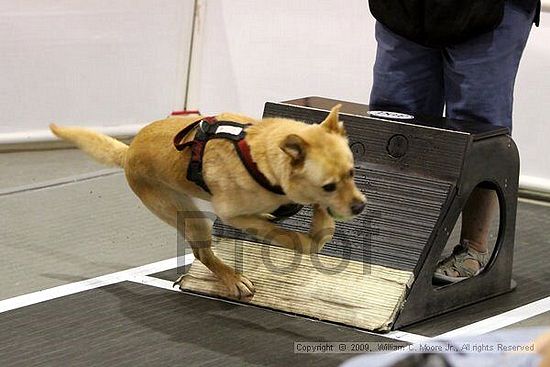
(130, 324)
(63, 234)
(31, 167)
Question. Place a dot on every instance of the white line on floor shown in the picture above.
(84, 285)
(502, 320)
(405, 336)
(534, 202)
(59, 291)
(168, 285)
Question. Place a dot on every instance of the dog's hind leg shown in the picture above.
(181, 212)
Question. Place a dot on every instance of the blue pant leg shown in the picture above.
(408, 77)
(480, 73)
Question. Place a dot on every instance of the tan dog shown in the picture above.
(312, 163)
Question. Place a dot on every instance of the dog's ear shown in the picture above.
(332, 123)
(295, 147)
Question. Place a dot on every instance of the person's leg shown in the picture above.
(479, 84)
(407, 77)
(479, 74)
(472, 254)
(477, 215)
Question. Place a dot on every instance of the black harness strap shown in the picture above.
(210, 128)
(194, 170)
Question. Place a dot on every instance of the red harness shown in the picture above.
(209, 128)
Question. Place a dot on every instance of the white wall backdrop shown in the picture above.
(257, 51)
(532, 107)
(91, 62)
(254, 51)
(115, 63)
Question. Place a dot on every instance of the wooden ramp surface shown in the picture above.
(319, 286)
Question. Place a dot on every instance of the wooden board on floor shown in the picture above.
(319, 286)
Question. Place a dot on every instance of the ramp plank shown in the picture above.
(352, 293)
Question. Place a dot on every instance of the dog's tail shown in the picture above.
(101, 147)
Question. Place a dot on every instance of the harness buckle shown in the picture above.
(204, 126)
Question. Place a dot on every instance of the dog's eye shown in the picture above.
(329, 187)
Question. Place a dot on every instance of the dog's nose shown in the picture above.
(357, 208)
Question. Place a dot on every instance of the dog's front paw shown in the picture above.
(305, 245)
(322, 224)
(239, 287)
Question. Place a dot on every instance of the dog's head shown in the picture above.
(321, 168)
